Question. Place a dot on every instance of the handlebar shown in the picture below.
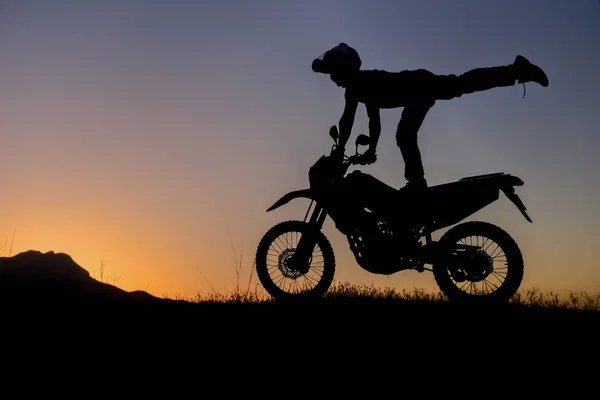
(342, 159)
(355, 159)
(347, 161)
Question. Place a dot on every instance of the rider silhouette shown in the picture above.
(415, 90)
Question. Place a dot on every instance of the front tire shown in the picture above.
(500, 274)
(284, 283)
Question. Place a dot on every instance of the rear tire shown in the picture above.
(507, 263)
(272, 250)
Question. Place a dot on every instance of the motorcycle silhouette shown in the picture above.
(385, 228)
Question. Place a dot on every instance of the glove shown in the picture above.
(368, 157)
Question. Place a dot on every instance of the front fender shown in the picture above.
(306, 193)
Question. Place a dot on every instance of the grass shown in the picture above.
(344, 290)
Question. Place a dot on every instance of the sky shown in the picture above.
(151, 136)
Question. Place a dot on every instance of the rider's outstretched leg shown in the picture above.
(481, 79)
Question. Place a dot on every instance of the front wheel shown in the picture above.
(281, 279)
(489, 269)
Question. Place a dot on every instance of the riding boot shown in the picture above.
(527, 72)
(417, 186)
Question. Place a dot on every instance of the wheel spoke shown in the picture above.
(496, 275)
(494, 253)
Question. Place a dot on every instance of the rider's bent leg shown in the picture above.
(406, 139)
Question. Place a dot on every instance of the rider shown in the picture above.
(415, 90)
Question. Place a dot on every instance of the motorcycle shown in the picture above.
(390, 230)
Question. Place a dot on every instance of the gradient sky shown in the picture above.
(153, 135)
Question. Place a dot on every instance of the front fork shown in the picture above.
(300, 260)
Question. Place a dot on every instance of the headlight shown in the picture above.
(321, 172)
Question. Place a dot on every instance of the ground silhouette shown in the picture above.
(50, 294)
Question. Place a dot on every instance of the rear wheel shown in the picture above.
(491, 270)
(281, 279)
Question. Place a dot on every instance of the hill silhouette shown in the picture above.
(33, 276)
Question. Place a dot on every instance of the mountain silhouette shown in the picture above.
(36, 276)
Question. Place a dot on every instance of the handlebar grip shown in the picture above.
(356, 159)
(353, 159)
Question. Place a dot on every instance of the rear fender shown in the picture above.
(508, 187)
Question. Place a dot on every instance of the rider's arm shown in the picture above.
(374, 125)
(347, 120)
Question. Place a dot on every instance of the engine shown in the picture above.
(378, 250)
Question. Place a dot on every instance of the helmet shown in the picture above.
(341, 58)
